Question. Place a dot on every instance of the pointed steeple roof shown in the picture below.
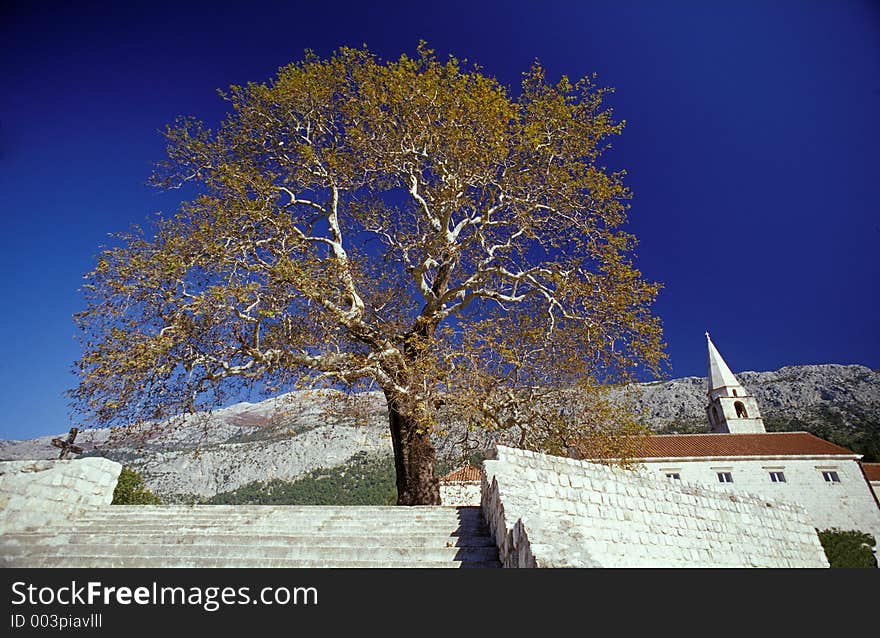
(719, 374)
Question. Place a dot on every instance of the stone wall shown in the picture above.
(547, 511)
(847, 504)
(33, 493)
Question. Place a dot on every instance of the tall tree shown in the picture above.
(409, 225)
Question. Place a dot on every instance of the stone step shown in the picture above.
(173, 520)
(280, 513)
(268, 538)
(303, 527)
(278, 523)
(271, 515)
(374, 510)
(253, 550)
(350, 508)
(90, 562)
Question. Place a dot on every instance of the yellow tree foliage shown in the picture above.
(407, 225)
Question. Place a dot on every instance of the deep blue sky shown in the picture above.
(751, 145)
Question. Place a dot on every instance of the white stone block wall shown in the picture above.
(460, 494)
(547, 511)
(846, 505)
(35, 492)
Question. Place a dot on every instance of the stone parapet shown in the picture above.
(547, 511)
(33, 493)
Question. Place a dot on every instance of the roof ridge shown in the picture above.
(733, 434)
(747, 444)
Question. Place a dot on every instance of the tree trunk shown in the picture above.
(414, 458)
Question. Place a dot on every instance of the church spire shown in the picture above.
(731, 409)
(720, 375)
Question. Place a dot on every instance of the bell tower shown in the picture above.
(731, 409)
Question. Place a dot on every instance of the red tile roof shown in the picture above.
(466, 474)
(711, 445)
(872, 471)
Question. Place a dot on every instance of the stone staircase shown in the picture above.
(257, 536)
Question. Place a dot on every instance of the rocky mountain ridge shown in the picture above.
(791, 391)
(200, 455)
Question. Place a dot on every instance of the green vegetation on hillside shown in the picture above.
(848, 548)
(364, 480)
(847, 426)
(685, 426)
(130, 490)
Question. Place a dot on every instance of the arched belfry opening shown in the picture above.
(740, 410)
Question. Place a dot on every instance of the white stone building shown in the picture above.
(461, 487)
(825, 479)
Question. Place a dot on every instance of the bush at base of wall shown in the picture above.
(848, 548)
(130, 490)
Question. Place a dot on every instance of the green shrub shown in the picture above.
(848, 548)
(130, 490)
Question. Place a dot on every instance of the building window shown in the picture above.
(777, 477)
(725, 477)
(741, 410)
(673, 475)
(831, 477)
(734, 393)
